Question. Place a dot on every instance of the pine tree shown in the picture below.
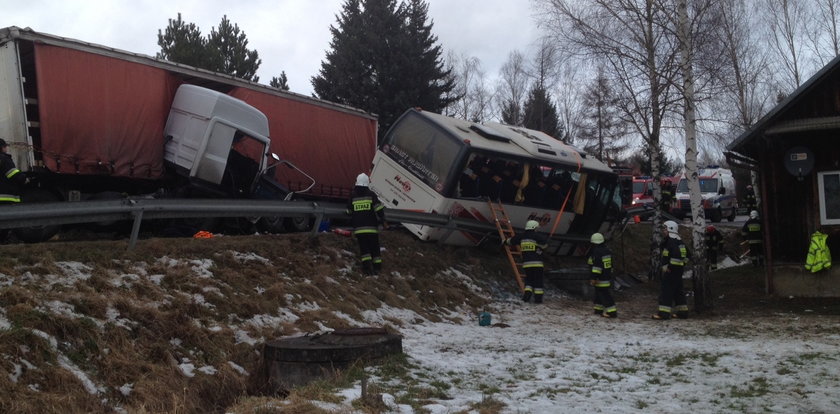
(541, 114)
(383, 59)
(224, 50)
(280, 82)
(601, 127)
(229, 53)
(183, 43)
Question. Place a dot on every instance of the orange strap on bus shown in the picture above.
(563, 207)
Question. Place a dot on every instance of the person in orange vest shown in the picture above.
(531, 244)
(600, 264)
(366, 214)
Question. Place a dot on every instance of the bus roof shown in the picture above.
(515, 141)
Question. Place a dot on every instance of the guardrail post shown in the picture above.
(135, 228)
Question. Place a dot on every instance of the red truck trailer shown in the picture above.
(88, 121)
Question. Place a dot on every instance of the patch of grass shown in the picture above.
(757, 387)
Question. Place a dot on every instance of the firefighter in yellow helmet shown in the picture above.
(600, 265)
(672, 301)
(531, 244)
(366, 214)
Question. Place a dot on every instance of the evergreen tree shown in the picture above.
(383, 59)
(601, 127)
(182, 43)
(229, 53)
(667, 166)
(280, 82)
(511, 112)
(541, 114)
(224, 50)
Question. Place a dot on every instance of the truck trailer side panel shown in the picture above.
(101, 115)
(331, 146)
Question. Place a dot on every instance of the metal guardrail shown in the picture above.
(136, 210)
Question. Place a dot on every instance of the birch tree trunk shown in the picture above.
(700, 277)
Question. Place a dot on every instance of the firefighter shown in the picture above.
(600, 262)
(751, 232)
(714, 245)
(10, 183)
(531, 244)
(672, 301)
(366, 213)
(667, 196)
(750, 200)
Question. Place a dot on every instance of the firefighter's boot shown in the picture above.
(538, 297)
(377, 266)
(367, 268)
(526, 297)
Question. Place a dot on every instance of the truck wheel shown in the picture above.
(271, 225)
(105, 196)
(37, 234)
(298, 224)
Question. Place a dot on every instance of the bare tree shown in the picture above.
(744, 75)
(639, 50)
(474, 100)
(601, 126)
(786, 21)
(512, 88)
(824, 31)
(570, 106)
(544, 67)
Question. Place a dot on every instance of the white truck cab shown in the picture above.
(216, 139)
(717, 189)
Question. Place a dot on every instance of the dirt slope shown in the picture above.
(90, 327)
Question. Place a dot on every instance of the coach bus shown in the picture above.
(439, 164)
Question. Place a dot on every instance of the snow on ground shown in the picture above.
(558, 357)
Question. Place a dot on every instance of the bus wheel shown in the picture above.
(298, 224)
(37, 234)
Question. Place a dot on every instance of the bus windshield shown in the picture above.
(424, 149)
(707, 185)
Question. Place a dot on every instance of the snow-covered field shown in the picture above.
(560, 358)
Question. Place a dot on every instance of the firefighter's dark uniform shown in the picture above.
(366, 212)
(10, 184)
(714, 244)
(600, 262)
(750, 200)
(531, 245)
(667, 198)
(11, 181)
(671, 297)
(752, 234)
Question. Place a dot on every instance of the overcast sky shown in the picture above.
(290, 35)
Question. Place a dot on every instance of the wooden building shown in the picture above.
(795, 149)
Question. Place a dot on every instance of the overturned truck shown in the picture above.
(88, 122)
